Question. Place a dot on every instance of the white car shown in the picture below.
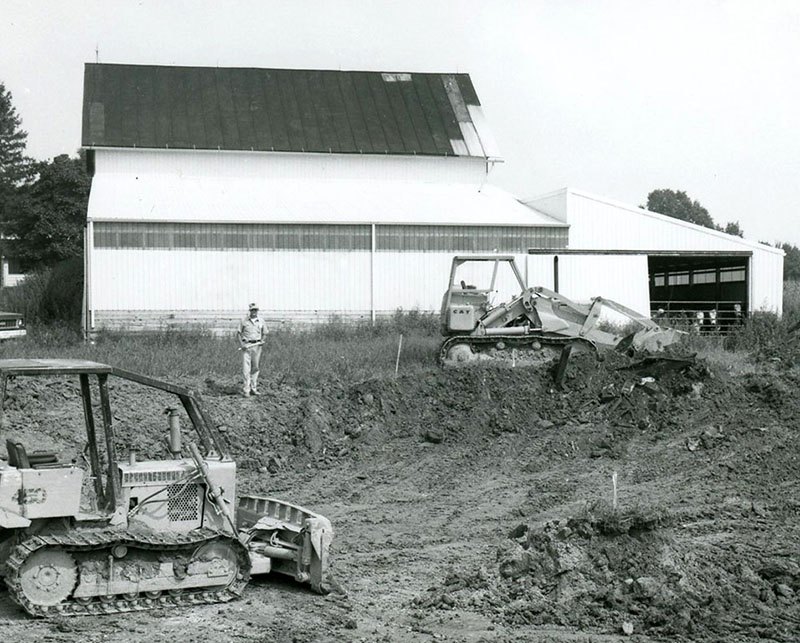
(11, 325)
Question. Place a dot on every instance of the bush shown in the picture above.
(791, 301)
(48, 295)
(63, 300)
(28, 297)
(761, 333)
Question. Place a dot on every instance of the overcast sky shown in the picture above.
(608, 96)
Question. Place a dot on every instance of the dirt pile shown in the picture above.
(587, 572)
(716, 558)
(626, 572)
(599, 409)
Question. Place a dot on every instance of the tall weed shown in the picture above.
(791, 301)
(28, 297)
(48, 295)
(306, 358)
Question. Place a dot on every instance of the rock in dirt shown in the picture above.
(434, 435)
(518, 532)
(314, 427)
(274, 465)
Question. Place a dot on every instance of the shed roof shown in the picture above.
(560, 205)
(292, 110)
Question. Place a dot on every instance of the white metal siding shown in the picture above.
(623, 278)
(287, 165)
(553, 204)
(418, 280)
(206, 280)
(599, 225)
(171, 198)
(152, 287)
(766, 282)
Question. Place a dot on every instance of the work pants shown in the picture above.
(250, 360)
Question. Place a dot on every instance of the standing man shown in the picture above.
(251, 338)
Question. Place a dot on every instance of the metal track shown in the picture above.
(83, 541)
(525, 342)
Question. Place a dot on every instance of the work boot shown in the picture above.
(255, 392)
(246, 393)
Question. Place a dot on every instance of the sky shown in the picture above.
(612, 97)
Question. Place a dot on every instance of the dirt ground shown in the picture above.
(477, 504)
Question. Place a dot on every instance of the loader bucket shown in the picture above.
(655, 340)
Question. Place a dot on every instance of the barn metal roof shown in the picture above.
(149, 197)
(290, 110)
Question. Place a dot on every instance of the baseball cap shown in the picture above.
(253, 306)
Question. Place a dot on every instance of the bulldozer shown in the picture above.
(103, 535)
(536, 323)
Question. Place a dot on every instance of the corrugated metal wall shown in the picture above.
(418, 280)
(209, 287)
(766, 282)
(623, 278)
(163, 280)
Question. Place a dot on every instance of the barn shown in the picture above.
(314, 193)
(346, 193)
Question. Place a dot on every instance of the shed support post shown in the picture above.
(372, 274)
(555, 273)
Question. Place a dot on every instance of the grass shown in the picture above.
(333, 350)
(310, 358)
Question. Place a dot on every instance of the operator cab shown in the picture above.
(475, 283)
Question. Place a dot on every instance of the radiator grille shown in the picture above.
(150, 477)
(183, 502)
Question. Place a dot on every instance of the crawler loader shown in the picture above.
(135, 534)
(535, 324)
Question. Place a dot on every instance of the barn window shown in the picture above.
(432, 238)
(226, 236)
(678, 278)
(732, 274)
(307, 236)
(704, 276)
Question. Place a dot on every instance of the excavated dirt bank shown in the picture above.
(474, 504)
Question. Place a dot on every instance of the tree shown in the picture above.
(733, 228)
(15, 167)
(46, 223)
(791, 262)
(680, 206)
